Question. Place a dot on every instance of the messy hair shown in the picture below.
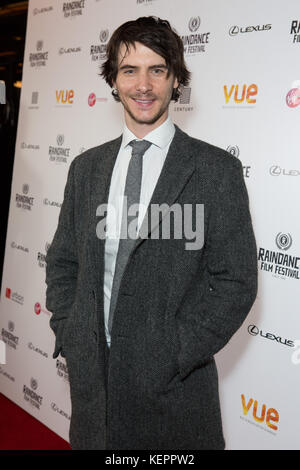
(156, 34)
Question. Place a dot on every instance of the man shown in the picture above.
(139, 318)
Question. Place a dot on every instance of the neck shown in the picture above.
(140, 130)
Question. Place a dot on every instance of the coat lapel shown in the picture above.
(101, 173)
(176, 172)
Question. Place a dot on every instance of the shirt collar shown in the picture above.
(161, 136)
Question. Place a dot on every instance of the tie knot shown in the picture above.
(139, 147)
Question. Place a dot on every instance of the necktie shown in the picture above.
(128, 237)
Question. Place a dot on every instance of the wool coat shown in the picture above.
(175, 310)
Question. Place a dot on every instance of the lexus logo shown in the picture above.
(253, 330)
(234, 30)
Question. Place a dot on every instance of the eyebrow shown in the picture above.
(158, 66)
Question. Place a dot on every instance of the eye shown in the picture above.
(158, 71)
(128, 71)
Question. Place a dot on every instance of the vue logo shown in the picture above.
(261, 413)
(241, 94)
(64, 96)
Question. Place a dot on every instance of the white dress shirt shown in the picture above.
(153, 161)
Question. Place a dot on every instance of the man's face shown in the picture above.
(144, 88)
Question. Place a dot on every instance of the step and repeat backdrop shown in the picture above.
(245, 98)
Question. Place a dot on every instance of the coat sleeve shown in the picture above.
(216, 305)
(62, 266)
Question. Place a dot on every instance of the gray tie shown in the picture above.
(126, 243)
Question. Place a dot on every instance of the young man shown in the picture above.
(139, 318)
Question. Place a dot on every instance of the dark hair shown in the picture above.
(154, 33)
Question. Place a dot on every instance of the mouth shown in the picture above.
(143, 104)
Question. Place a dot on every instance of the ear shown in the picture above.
(176, 83)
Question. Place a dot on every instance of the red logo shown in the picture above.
(293, 98)
(37, 308)
(7, 292)
(92, 99)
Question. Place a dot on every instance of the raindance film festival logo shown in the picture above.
(40, 57)
(293, 97)
(295, 31)
(75, 8)
(279, 263)
(98, 51)
(8, 336)
(62, 370)
(24, 201)
(41, 257)
(184, 103)
(31, 394)
(235, 152)
(59, 154)
(194, 42)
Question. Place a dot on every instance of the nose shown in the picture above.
(143, 84)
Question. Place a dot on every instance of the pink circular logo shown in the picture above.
(37, 308)
(92, 99)
(293, 97)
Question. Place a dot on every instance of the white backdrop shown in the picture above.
(244, 97)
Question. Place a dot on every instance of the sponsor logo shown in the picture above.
(7, 375)
(59, 154)
(38, 309)
(293, 96)
(8, 336)
(253, 330)
(235, 151)
(41, 257)
(37, 11)
(261, 415)
(276, 170)
(184, 102)
(68, 50)
(39, 58)
(25, 146)
(295, 31)
(235, 30)
(64, 97)
(92, 99)
(19, 247)
(195, 42)
(62, 370)
(98, 51)
(61, 412)
(34, 100)
(240, 94)
(31, 395)
(37, 350)
(279, 263)
(48, 202)
(18, 298)
(145, 2)
(72, 9)
(23, 201)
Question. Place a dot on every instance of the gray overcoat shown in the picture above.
(176, 307)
